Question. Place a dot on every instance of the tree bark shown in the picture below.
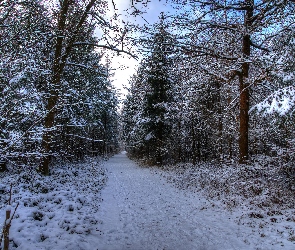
(58, 68)
(244, 86)
(53, 94)
(220, 121)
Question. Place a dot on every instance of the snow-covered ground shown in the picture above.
(121, 205)
(142, 211)
(56, 212)
(259, 196)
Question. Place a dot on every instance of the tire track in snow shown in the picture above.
(141, 211)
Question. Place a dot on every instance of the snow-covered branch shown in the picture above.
(105, 47)
(281, 102)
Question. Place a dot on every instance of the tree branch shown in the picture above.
(258, 46)
(106, 47)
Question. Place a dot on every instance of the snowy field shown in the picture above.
(119, 205)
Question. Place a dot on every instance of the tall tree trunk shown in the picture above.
(53, 93)
(244, 86)
(159, 144)
(194, 143)
(60, 58)
(179, 149)
(220, 121)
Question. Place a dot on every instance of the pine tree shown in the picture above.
(159, 83)
(24, 53)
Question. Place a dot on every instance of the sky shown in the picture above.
(124, 66)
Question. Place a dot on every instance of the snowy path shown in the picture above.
(142, 211)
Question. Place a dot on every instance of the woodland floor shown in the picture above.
(141, 210)
(119, 205)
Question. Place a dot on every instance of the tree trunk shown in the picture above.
(244, 87)
(53, 97)
(194, 142)
(220, 122)
(159, 144)
(244, 121)
(60, 58)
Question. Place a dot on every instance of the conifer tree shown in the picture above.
(159, 82)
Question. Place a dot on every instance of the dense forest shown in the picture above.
(217, 84)
(57, 99)
(210, 107)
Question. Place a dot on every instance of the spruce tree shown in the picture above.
(157, 126)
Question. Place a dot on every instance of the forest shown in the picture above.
(218, 84)
(214, 90)
(215, 82)
(57, 98)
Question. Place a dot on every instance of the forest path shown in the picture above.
(142, 211)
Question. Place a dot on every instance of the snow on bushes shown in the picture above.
(263, 184)
(57, 211)
(260, 195)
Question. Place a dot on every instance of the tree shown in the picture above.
(275, 107)
(25, 51)
(158, 97)
(252, 25)
(132, 115)
(155, 82)
(73, 18)
(55, 87)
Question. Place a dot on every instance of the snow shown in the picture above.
(120, 205)
(58, 211)
(142, 211)
(148, 137)
(258, 197)
(281, 101)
